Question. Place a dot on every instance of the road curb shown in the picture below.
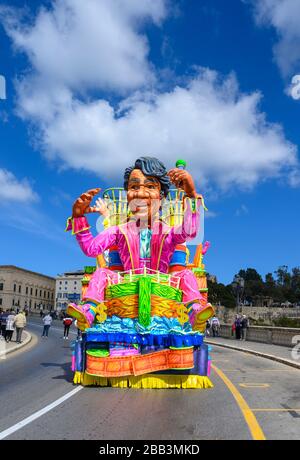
(16, 347)
(257, 353)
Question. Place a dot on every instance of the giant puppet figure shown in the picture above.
(145, 246)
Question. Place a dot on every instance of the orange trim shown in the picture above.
(140, 364)
(176, 268)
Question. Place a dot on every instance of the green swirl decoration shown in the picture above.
(145, 301)
(125, 289)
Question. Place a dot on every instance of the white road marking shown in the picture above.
(31, 418)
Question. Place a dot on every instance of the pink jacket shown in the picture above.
(126, 237)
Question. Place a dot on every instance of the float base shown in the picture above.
(144, 381)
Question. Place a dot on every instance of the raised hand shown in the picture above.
(183, 180)
(83, 204)
(101, 207)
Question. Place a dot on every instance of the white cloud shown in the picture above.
(13, 190)
(221, 132)
(91, 43)
(284, 16)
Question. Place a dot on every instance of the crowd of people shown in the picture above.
(213, 327)
(240, 326)
(12, 321)
(47, 319)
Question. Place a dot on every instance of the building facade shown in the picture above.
(68, 289)
(24, 289)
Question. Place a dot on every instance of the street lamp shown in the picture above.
(238, 285)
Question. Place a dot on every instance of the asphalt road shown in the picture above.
(251, 395)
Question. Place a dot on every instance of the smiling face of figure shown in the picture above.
(143, 196)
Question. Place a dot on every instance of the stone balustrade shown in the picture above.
(265, 334)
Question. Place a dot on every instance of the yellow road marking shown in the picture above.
(253, 425)
(249, 371)
(254, 385)
(276, 410)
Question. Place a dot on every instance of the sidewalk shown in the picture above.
(284, 355)
(9, 347)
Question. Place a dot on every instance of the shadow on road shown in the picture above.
(66, 369)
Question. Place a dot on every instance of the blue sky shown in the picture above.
(92, 87)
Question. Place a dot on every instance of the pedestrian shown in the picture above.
(215, 326)
(1, 323)
(207, 331)
(233, 329)
(47, 320)
(9, 327)
(41, 313)
(20, 323)
(238, 327)
(245, 326)
(67, 321)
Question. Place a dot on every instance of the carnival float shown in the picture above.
(144, 304)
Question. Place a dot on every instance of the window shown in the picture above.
(48, 295)
(1, 286)
(36, 291)
(26, 289)
(30, 303)
(19, 289)
(30, 291)
(15, 287)
(44, 294)
(66, 282)
(60, 282)
(0, 301)
(52, 296)
(75, 282)
(40, 293)
(34, 304)
(13, 302)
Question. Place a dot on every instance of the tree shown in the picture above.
(219, 293)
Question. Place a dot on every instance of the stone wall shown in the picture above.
(267, 314)
(265, 334)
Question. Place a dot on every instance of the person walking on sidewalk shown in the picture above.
(10, 327)
(2, 324)
(47, 320)
(67, 321)
(20, 323)
(238, 327)
(245, 325)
